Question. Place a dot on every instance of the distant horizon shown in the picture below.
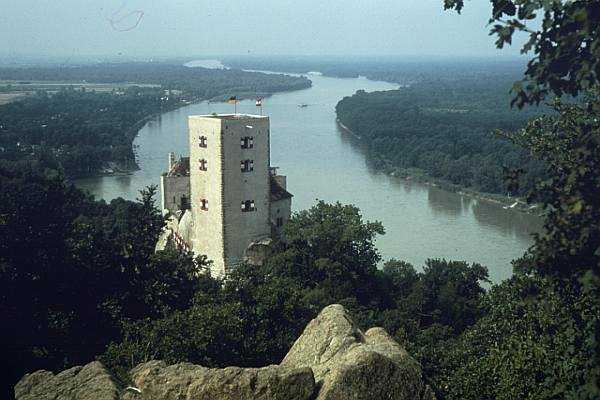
(345, 58)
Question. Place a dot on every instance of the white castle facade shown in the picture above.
(225, 200)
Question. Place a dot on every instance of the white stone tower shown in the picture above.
(229, 185)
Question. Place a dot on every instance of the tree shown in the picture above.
(543, 325)
(330, 249)
(566, 45)
(252, 317)
(72, 270)
(569, 144)
(531, 344)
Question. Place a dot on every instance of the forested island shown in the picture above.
(445, 129)
(83, 132)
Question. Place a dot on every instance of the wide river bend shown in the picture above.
(324, 162)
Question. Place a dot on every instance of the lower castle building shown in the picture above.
(225, 200)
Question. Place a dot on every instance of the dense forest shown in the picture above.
(83, 132)
(77, 131)
(201, 83)
(402, 70)
(445, 128)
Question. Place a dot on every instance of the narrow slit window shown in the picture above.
(204, 204)
(202, 141)
(203, 164)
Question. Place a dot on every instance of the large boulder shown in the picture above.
(157, 381)
(352, 365)
(91, 382)
(332, 360)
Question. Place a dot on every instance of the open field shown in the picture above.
(11, 90)
(6, 98)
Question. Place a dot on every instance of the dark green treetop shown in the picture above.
(564, 37)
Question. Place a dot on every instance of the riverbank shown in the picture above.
(421, 221)
(420, 176)
(115, 169)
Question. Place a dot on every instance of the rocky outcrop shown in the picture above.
(156, 380)
(332, 360)
(92, 382)
(352, 365)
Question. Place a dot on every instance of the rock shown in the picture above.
(157, 381)
(332, 360)
(349, 364)
(91, 382)
(257, 252)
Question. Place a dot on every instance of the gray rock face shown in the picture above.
(91, 382)
(349, 364)
(332, 360)
(157, 381)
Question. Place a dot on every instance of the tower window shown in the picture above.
(204, 204)
(247, 165)
(203, 163)
(202, 141)
(247, 142)
(279, 221)
(248, 206)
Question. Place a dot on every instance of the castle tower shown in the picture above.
(230, 185)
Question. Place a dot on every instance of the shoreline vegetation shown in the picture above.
(440, 134)
(68, 125)
(449, 85)
(423, 178)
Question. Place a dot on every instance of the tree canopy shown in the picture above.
(564, 37)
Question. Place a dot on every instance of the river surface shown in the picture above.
(324, 162)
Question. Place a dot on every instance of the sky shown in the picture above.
(169, 28)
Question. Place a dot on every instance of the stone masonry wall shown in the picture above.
(207, 185)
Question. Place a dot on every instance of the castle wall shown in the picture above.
(242, 228)
(237, 202)
(207, 185)
(281, 212)
(172, 190)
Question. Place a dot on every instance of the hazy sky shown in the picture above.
(196, 27)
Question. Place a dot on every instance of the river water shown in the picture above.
(324, 162)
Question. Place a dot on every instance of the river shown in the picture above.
(324, 162)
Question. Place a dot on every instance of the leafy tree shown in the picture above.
(565, 44)
(529, 345)
(72, 270)
(250, 319)
(327, 255)
(331, 250)
(543, 325)
(569, 143)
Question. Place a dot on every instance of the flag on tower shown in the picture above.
(259, 102)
